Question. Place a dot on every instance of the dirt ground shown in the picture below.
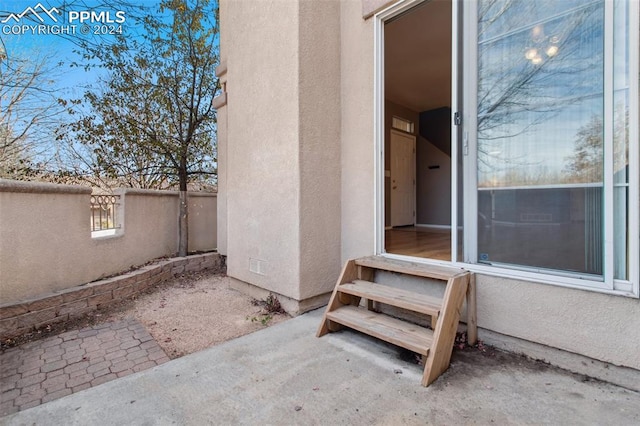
(184, 315)
(191, 313)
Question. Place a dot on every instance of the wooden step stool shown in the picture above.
(436, 344)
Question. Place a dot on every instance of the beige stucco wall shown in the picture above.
(281, 155)
(221, 134)
(319, 120)
(596, 325)
(46, 243)
(221, 226)
(280, 183)
(203, 217)
(357, 180)
(262, 167)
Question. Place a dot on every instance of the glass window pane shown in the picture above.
(540, 134)
(621, 137)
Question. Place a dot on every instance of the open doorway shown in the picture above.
(417, 105)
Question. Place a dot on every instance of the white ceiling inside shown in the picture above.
(418, 57)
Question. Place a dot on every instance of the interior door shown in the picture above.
(403, 164)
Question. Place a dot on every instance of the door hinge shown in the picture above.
(457, 119)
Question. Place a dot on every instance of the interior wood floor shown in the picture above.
(419, 242)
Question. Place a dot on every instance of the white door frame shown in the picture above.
(379, 126)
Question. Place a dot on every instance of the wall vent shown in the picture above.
(257, 266)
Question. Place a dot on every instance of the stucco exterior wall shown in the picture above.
(46, 243)
(281, 112)
(281, 144)
(596, 325)
(221, 139)
(221, 134)
(262, 143)
(357, 162)
(319, 116)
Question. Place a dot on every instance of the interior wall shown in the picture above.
(392, 109)
(433, 191)
(433, 152)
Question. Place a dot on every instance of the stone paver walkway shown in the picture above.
(47, 369)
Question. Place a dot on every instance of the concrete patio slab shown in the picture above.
(285, 375)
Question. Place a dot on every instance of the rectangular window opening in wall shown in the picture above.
(402, 124)
(104, 215)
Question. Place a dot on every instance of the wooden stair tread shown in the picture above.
(354, 284)
(392, 330)
(410, 268)
(393, 296)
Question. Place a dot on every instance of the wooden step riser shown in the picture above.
(410, 268)
(393, 296)
(435, 345)
(428, 321)
(397, 332)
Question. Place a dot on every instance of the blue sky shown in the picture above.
(69, 82)
(22, 38)
(59, 51)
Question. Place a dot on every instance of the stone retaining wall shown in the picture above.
(27, 315)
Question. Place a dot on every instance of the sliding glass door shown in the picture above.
(551, 159)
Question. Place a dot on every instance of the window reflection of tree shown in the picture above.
(530, 71)
(585, 165)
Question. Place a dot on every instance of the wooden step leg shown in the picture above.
(349, 273)
(472, 318)
(366, 274)
(434, 322)
(445, 332)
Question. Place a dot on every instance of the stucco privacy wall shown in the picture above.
(203, 218)
(46, 243)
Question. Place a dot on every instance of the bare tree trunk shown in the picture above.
(183, 221)
(183, 225)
